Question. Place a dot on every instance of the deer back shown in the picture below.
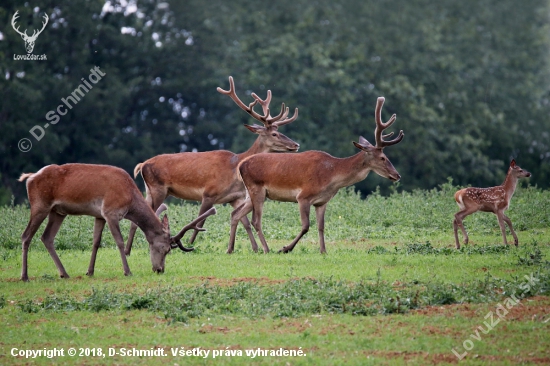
(82, 189)
(189, 174)
(307, 173)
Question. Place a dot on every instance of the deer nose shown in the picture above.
(395, 177)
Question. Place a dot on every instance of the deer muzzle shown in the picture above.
(395, 177)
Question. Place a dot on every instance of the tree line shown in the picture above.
(468, 81)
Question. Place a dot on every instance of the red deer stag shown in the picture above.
(310, 178)
(105, 192)
(493, 199)
(211, 177)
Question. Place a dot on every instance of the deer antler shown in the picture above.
(381, 126)
(279, 120)
(13, 19)
(43, 26)
(24, 34)
(176, 240)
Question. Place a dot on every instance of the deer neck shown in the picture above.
(256, 148)
(355, 168)
(143, 216)
(510, 184)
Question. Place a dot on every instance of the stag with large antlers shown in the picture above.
(105, 192)
(493, 199)
(211, 177)
(29, 40)
(311, 179)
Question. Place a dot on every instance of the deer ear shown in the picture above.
(365, 148)
(161, 209)
(363, 141)
(513, 163)
(165, 224)
(363, 144)
(255, 128)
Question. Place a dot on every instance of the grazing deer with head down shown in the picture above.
(211, 177)
(105, 192)
(310, 178)
(493, 199)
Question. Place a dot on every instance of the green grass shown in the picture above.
(392, 289)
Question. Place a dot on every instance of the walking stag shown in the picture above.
(311, 179)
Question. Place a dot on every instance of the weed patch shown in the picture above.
(532, 256)
(293, 298)
(428, 249)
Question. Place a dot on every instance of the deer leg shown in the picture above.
(459, 217)
(114, 227)
(34, 223)
(54, 223)
(236, 216)
(131, 234)
(502, 226)
(455, 227)
(99, 224)
(258, 204)
(207, 204)
(509, 222)
(154, 199)
(320, 216)
(247, 227)
(304, 216)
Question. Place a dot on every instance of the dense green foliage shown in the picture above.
(468, 81)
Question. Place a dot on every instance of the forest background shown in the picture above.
(468, 80)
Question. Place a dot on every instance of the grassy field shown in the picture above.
(392, 290)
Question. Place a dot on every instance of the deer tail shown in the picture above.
(137, 169)
(458, 199)
(240, 177)
(25, 176)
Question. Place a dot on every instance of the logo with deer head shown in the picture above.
(29, 40)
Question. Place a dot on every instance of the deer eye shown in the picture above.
(274, 134)
(383, 158)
